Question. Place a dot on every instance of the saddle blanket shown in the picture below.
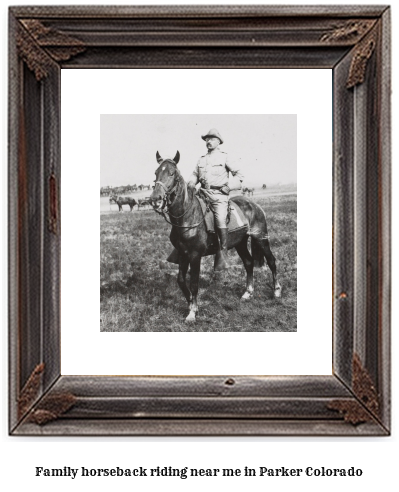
(236, 219)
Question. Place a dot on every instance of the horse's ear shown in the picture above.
(177, 157)
(159, 158)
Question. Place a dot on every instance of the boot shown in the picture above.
(173, 257)
(221, 258)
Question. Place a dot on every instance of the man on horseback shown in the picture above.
(189, 234)
(212, 171)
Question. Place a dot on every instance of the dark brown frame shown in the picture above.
(353, 41)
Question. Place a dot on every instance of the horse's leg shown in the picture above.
(195, 267)
(271, 261)
(248, 261)
(181, 277)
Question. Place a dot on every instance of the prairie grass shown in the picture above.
(139, 292)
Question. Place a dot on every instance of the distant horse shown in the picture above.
(264, 187)
(249, 191)
(123, 200)
(181, 208)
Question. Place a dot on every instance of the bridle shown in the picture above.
(169, 203)
(167, 197)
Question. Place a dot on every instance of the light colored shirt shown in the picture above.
(214, 168)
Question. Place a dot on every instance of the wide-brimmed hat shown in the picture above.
(212, 133)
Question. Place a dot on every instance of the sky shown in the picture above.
(264, 146)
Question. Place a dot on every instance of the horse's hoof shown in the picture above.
(277, 293)
(190, 318)
(247, 296)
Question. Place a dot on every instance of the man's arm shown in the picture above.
(234, 169)
(236, 172)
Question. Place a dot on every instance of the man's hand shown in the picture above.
(204, 183)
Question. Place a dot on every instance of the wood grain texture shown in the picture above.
(14, 91)
(249, 37)
(203, 386)
(199, 427)
(164, 407)
(384, 125)
(362, 339)
(343, 175)
(205, 11)
(51, 246)
(29, 229)
(145, 57)
(247, 31)
(371, 351)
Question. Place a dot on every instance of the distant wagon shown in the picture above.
(143, 203)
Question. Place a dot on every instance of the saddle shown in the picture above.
(236, 224)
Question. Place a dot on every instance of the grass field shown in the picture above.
(139, 291)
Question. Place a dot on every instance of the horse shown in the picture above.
(264, 187)
(250, 191)
(172, 199)
(123, 200)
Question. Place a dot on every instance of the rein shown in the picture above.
(168, 201)
(169, 204)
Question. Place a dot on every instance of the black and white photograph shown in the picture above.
(198, 223)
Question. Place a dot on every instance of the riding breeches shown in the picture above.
(218, 203)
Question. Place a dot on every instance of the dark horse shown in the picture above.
(123, 200)
(182, 210)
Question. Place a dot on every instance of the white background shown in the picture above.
(87, 351)
(376, 456)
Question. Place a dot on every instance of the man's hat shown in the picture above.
(212, 133)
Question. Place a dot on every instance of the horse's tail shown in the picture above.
(257, 253)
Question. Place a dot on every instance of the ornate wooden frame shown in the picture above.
(352, 41)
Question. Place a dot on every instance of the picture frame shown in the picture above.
(353, 41)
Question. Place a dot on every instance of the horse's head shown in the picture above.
(167, 178)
